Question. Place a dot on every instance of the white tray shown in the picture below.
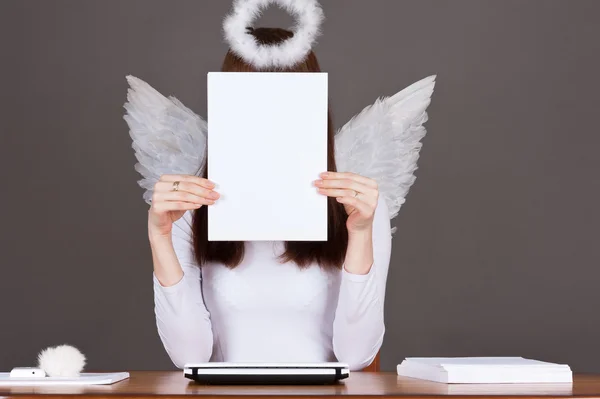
(83, 379)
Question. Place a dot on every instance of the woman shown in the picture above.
(270, 301)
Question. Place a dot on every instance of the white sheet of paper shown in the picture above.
(267, 143)
(481, 361)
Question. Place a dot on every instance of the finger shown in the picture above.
(188, 187)
(368, 199)
(346, 184)
(362, 207)
(351, 176)
(335, 192)
(181, 196)
(188, 178)
(174, 206)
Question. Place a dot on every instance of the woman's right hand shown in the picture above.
(169, 205)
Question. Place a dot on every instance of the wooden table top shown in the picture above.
(359, 384)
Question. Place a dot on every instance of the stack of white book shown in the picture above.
(484, 370)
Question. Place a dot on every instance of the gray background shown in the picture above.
(497, 247)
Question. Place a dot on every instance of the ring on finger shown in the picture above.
(175, 186)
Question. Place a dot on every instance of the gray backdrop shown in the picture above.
(497, 246)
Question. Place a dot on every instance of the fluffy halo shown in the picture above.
(309, 17)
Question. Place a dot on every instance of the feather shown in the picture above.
(168, 137)
(61, 361)
(309, 15)
(383, 141)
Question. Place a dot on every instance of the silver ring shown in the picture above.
(176, 186)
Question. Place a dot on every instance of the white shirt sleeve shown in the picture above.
(182, 319)
(358, 327)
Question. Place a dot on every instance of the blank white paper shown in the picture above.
(267, 143)
(481, 362)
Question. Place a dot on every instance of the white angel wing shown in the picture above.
(383, 141)
(168, 138)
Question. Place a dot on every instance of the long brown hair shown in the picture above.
(328, 253)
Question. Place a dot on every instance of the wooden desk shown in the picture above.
(360, 385)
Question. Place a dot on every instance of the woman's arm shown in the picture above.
(182, 319)
(358, 327)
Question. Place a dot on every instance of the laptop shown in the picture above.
(266, 373)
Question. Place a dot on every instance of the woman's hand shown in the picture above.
(173, 196)
(358, 194)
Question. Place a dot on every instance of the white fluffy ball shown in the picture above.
(61, 361)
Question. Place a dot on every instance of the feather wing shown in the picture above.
(168, 137)
(383, 141)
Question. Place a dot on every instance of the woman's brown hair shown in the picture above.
(328, 253)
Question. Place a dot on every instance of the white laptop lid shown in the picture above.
(218, 368)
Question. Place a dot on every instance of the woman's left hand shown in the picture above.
(359, 195)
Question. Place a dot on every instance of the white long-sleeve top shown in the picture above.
(265, 311)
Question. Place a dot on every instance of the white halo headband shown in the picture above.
(309, 17)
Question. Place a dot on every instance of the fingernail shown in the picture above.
(324, 174)
(214, 195)
(212, 184)
(318, 182)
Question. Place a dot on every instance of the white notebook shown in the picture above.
(484, 370)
